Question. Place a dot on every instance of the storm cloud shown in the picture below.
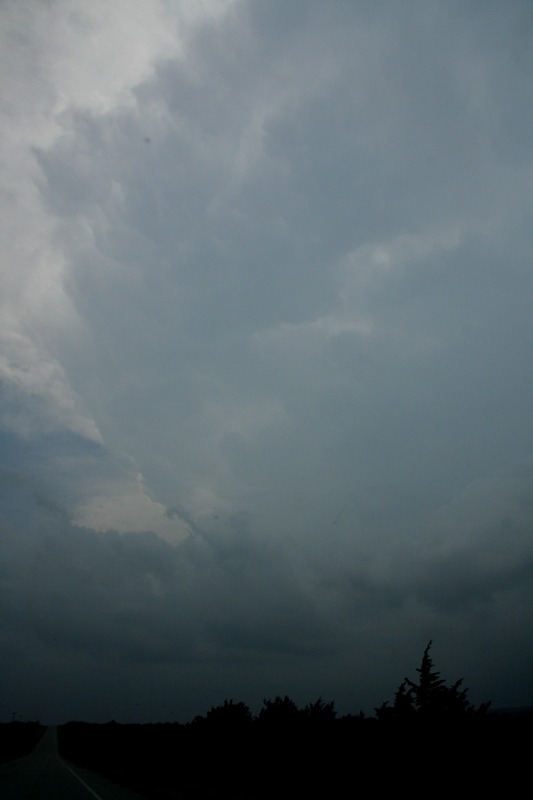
(265, 353)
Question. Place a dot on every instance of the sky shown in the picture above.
(266, 383)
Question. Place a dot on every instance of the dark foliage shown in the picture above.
(18, 739)
(429, 698)
(430, 730)
(230, 716)
(320, 713)
(279, 713)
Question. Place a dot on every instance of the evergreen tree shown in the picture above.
(429, 694)
(429, 697)
(403, 701)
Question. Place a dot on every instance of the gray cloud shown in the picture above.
(134, 602)
(264, 353)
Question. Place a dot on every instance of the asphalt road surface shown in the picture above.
(44, 776)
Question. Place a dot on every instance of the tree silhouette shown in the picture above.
(320, 712)
(234, 716)
(429, 694)
(429, 697)
(281, 712)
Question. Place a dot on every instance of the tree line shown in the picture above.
(428, 698)
(429, 729)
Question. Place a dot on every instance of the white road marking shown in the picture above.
(80, 780)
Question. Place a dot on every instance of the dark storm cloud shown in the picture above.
(143, 598)
(227, 597)
(265, 352)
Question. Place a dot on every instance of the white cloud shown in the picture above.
(58, 59)
(372, 263)
(127, 508)
(42, 400)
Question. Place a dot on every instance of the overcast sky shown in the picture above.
(266, 339)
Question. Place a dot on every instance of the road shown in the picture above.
(44, 776)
